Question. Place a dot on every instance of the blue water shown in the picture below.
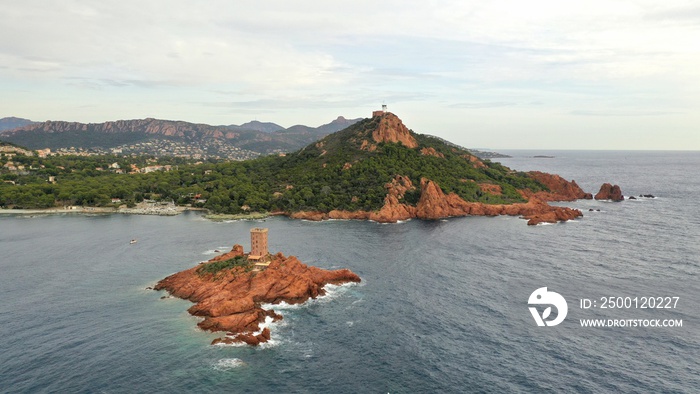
(442, 306)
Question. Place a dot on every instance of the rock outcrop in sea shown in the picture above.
(609, 192)
(231, 299)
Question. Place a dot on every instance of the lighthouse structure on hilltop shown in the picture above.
(380, 113)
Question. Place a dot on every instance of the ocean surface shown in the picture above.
(443, 305)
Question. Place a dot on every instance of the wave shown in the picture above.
(332, 292)
(281, 306)
(227, 364)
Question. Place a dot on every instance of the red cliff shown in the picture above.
(392, 129)
(435, 204)
(230, 300)
(559, 188)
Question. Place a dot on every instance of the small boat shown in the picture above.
(133, 241)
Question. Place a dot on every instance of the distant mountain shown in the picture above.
(267, 127)
(338, 124)
(13, 123)
(256, 137)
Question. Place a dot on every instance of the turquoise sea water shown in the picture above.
(442, 306)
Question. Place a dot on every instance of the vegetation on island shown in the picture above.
(334, 173)
(217, 266)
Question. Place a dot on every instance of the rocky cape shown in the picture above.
(231, 299)
(435, 204)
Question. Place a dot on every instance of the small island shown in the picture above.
(229, 290)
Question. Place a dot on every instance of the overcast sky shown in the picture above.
(490, 74)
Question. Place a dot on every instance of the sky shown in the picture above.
(484, 74)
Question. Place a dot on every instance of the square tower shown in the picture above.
(258, 243)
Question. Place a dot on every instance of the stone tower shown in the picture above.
(258, 244)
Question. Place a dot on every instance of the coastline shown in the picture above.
(433, 204)
(159, 211)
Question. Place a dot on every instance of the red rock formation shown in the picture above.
(435, 204)
(393, 210)
(609, 192)
(559, 188)
(431, 152)
(309, 215)
(392, 129)
(230, 299)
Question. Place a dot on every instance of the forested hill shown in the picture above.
(348, 170)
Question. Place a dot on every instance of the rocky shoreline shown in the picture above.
(231, 299)
(433, 204)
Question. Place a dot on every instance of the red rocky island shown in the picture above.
(229, 289)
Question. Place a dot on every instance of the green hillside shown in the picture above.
(346, 170)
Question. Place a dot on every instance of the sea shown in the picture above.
(443, 307)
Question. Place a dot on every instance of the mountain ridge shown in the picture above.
(254, 136)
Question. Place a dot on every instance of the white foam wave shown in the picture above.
(332, 292)
(227, 364)
(234, 344)
(281, 306)
(263, 325)
(271, 343)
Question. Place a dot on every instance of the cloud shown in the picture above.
(216, 58)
